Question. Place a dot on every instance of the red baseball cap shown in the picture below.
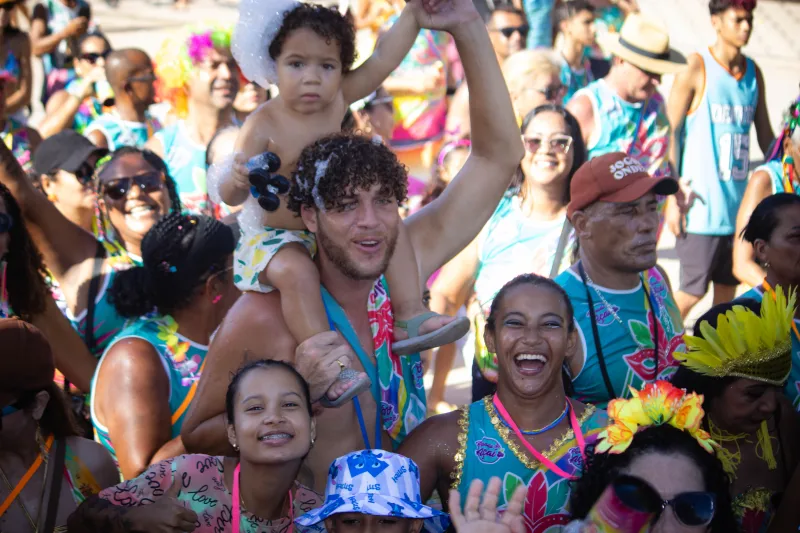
(614, 177)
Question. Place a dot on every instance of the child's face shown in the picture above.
(364, 523)
(309, 71)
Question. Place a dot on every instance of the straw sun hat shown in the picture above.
(644, 42)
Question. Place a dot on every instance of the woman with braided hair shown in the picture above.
(148, 375)
(134, 191)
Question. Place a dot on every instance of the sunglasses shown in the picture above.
(85, 174)
(387, 101)
(149, 78)
(92, 57)
(511, 30)
(558, 143)
(148, 183)
(552, 92)
(691, 508)
(6, 223)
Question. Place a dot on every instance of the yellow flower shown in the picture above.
(660, 401)
(179, 352)
(690, 413)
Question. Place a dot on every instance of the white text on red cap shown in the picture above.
(626, 167)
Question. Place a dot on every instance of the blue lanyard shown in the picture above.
(338, 320)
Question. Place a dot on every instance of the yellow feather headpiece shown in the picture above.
(745, 345)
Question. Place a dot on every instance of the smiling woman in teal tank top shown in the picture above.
(148, 375)
(529, 432)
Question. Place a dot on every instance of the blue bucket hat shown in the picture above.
(378, 483)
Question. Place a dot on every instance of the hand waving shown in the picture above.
(481, 516)
(444, 15)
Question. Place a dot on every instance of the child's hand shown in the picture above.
(239, 172)
(481, 516)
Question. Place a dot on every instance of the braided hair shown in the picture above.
(25, 272)
(179, 254)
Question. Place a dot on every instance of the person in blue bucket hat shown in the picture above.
(374, 490)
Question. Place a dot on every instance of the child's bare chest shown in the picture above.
(294, 136)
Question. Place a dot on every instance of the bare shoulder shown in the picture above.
(130, 356)
(255, 325)
(443, 429)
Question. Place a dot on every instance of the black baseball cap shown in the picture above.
(66, 150)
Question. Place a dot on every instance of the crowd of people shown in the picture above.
(227, 268)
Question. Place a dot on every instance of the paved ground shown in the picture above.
(774, 46)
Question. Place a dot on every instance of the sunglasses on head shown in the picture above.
(92, 57)
(6, 222)
(511, 30)
(558, 143)
(690, 508)
(148, 183)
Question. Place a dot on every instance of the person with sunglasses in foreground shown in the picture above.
(739, 361)
(656, 462)
(147, 377)
(134, 192)
(83, 99)
(628, 96)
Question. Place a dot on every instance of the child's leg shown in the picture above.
(293, 273)
(416, 328)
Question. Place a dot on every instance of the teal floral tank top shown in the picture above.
(183, 362)
(488, 448)
(626, 330)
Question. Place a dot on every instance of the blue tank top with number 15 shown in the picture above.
(716, 147)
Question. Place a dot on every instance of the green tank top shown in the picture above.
(488, 449)
(182, 359)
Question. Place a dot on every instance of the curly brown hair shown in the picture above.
(345, 162)
(326, 22)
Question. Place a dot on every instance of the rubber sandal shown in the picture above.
(417, 343)
(360, 384)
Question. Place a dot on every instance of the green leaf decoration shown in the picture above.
(641, 333)
(510, 483)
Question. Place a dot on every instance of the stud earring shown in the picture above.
(52, 198)
(235, 446)
(216, 299)
(766, 264)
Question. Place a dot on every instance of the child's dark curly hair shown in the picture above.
(326, 22)
(601, 468)
(334, 166)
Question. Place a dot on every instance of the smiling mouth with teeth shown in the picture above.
(274, 436)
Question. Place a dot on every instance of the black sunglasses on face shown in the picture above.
(553, 92)
(92, 57)
(145, 79)
(511, 30)
(85, 174)
(6, 222)
(148, 183)
(690, 508)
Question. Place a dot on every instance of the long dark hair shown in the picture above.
(580, 155)
(25, 272)
(535, 280)
(602, 468)
(179, 253)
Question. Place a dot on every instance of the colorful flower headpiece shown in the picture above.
(656, 404)
(746, 345)
(178, 57)
(791, 121)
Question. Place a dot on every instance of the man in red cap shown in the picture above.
(624, 309)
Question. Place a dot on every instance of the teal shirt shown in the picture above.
(119, 133)
(774, 170)
(615, 122)
(186, 162)
(628, 350)
(489, 449)
(575, 80)
(182, 360)
(792, 387)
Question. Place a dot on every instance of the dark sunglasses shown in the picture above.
(558, 143)
(148, 183)
(690, 508)
(85, 174)
(6, 222)
(551, 92)
(92, 57)
(511, 30)
(149, 78)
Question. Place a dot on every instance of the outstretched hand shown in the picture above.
(445, 15)
(481, 516)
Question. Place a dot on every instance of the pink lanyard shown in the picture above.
(236, 505)
(573, 421)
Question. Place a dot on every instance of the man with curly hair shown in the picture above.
(199, 78)
(347, 191)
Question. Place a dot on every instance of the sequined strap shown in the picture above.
(461, 454)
